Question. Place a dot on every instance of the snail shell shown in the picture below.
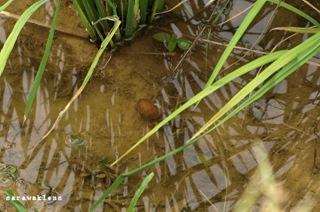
(148, 110)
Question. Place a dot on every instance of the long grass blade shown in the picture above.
(296, 11)
(132, 18)
(297, 29)
(43, 63)
(205, 92)
(140, 191)
(243, 27)
(3, 7)
(307, 48)
(104, 44)
(84, 19)
(18, 205)
(113, 186)
(8, 45)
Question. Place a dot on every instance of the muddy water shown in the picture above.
(209, 176)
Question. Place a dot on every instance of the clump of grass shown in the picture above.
(134, 16)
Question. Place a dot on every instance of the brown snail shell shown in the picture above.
(148, 110)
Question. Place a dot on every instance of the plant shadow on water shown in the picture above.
(72, 162)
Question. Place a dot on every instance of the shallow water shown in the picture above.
(209, 176)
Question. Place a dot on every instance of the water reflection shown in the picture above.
(209, 176)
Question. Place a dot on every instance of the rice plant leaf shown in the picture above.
(85, 21)
(15, 203)
(132, 18)
(8, 45)
(156, 7)
(205, 92)
(143, 11)
(43, 63)
(243, 27)
(308, 48)
(3, 7)
(296, 11)
(297, 29)
(94, 63)
(139, 192)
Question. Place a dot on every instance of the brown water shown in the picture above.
(209, 176)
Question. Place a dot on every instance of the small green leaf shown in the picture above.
(172, 44)
(162, 37)
(184, 44)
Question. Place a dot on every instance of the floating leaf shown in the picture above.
(162, 37)
(184, 44)
(172, 44)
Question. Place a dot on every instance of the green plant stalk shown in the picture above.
(43, 63)
(239, 33)
(143, 11)
(156, 7)
(94, 63)
(3, 7)
(206, 91)
(114, 10)
(8, 45)
(298, 55)
(85, 21)
(102, 14)
(132, 22)
(140, 190)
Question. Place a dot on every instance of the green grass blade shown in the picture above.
(8, 45)
(206, 91)
(140, 191)
(296, 11)
(113, 186)
(278, 77)
(132, 18)
(310, 46)
(298, 29)
(143, 11)
(43, 63)
(85, 21)
(18, 205)
(104, 44)
(240, 31)
(3, 7)
(157, 6)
